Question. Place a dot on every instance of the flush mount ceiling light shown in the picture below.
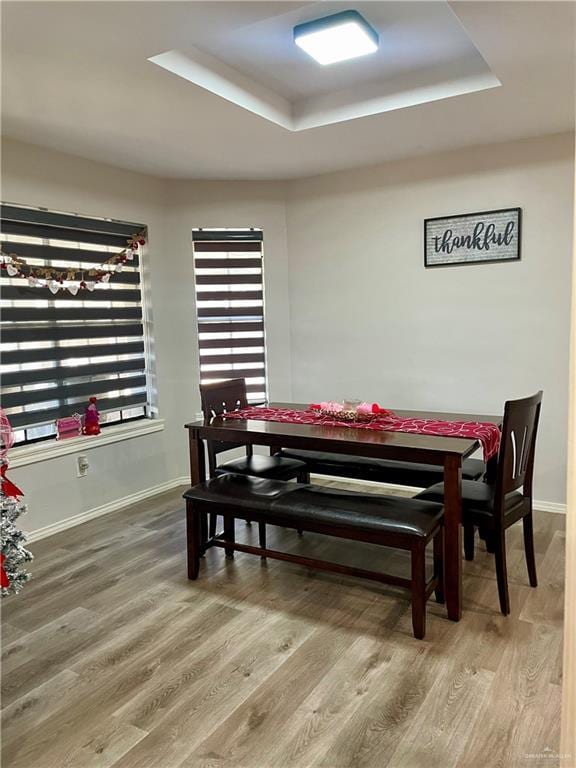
(339, 37)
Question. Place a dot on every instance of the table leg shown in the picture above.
(197, 458)
(491, 468)
(453, 536)
(198, 475)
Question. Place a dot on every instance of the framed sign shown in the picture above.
(470, 238)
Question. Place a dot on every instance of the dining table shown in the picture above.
(442, 451)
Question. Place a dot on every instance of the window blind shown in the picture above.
(58, 350)
(230, 307)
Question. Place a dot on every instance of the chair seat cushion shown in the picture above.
(380, 470)
(273, 467)
(477, 499)
(314, 504)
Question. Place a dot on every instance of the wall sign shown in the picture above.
(469, 238)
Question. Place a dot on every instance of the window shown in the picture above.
(230, 307)
(58, 350)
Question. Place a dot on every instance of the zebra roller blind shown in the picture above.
(58, 350)
(230, 307)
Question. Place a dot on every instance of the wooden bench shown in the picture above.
(378, 470)
(390, 521)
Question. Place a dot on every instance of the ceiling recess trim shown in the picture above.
(208, 72)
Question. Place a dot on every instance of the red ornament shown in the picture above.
(377, 410)
(91, 419)
(142, 241)
(8, 487)
(4, 580)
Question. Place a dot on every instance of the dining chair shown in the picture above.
(494, 507)
(221, 398)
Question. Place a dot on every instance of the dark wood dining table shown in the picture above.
(446, 452)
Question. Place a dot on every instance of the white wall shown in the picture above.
(368, 320)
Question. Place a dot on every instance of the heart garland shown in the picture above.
(72, 280)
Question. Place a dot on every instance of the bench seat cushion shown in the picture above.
(272, 467)
(301, 504)
(380, 470)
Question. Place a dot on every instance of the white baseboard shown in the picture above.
(105, 509)
(541, 506)
(134, 498)
(550, 506)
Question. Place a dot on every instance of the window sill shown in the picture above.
(51, 449)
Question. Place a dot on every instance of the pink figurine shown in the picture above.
(91, 419)
(331, 407)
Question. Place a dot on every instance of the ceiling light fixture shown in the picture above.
(342, 36)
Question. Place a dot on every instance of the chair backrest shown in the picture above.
(223, 397)
(517, 447)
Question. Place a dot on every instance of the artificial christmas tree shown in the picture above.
(14, 553)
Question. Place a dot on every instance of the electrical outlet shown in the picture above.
(82, 466)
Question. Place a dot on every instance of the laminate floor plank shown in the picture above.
(437, 734)
(514, 705)
(308, 734)
(215, 697)
(88, 638)
(201, 663)
(374, 730)
(46, 639)
(26, 713)
(66, 568)
(246, 735)
(9, 633)
(545, 605)
(113, 659)
(124, 570)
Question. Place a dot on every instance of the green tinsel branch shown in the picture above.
(12, 542)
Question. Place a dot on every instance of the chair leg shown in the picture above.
(304, 478)
(438, 545)
(213, 523)
(203, 532)
(529, 549)
(262, 537)
(501, 572)
(469, 542)
(229, 535)
(419, 591)
(490, 541)
(193, 540)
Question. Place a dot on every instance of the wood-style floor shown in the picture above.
(112, 658)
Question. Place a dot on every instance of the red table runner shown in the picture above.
(487, 434)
